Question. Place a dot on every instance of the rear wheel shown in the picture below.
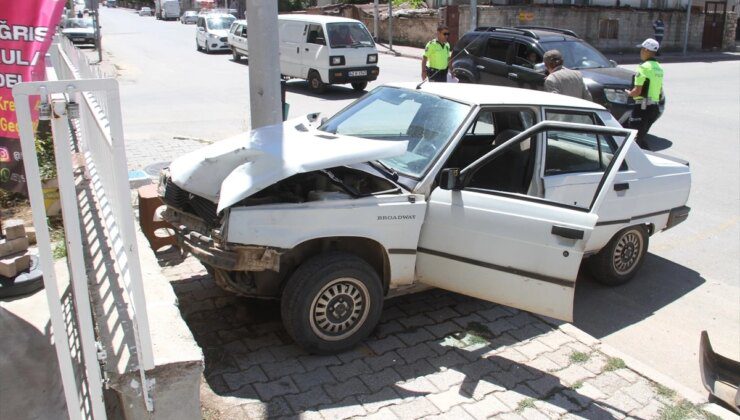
(331, 302)
(618, 262)
(359, 86)
(235, 54)
(315, 83)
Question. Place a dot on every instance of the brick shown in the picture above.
(420, 385)
(521, 319)
(262, 410)
(622, 402)
(14, 229)
(499, 326)
(349, 370)
(312, 362)
(31, 235)
(267, 340)
(558, 404)
(608, 382)
(480, 389)
(378, 363)
(449, 359)
(414, 353)
(385, 344)
(526, 332)
(358, 352)
(544, 364)
(456, 413)
(14, 246)
(377, 381)
(244, 377)
(574, 373)
(11, 265)
(317, 377)
(338, 391)
(384, 413)
(391, 313)
(651, 411)
(641, 391)
(446, 379)
(414, 321)
(447, 399)
(414, 409)
(545, 385)
(466, 320)
(387, 328)
(471, 305)
(283, 368)
(376, 401)
(419, 368)
(269, 390)
(415, 336)
(345, 409)
(443, 314)
(304, 400)
(487, 407)
(534, 414)
(245, 360)
(532, 349)
(290, 351)
(444, 329)
(555, 339)
(512, 397)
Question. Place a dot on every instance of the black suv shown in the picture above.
(513, 57)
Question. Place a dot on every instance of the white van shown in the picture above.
(324, 50)
(212, 30)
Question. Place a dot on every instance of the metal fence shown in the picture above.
(85, 114)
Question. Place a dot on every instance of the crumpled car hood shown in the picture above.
(230, 170)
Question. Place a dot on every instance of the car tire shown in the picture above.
(337, 280)
(208, 49)
(235, 54)
(359, 86)
(618, 262)
(197, 46)
(315, 83)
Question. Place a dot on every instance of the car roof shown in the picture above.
(217, 15)
(498, 95)
(316, 18)
(533, 34)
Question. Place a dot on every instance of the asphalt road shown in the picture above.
(691, 279)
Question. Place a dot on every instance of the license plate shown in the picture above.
(357, 73)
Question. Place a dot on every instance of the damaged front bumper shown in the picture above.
(192, 237)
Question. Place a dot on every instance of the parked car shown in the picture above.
(79, 30)
(327, 50)
(212, 32)
(238, 39)
(507, 56)
(145, 11)
(190, 16)
(492, 192)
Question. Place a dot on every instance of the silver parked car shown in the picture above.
(145, 11)
(190, 16)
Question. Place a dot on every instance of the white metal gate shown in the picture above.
(76, 95)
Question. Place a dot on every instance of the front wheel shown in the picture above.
(315, 83)
(235, 54)
(331, 302)
(618, 262)
(359, 86)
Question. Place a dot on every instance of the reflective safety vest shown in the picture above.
(650, 77)
(437, 54)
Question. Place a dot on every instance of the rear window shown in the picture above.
(471, 42)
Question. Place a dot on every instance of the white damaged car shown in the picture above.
(492, 192)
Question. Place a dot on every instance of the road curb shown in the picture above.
(644, 370)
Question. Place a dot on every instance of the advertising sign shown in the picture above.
(26, 30)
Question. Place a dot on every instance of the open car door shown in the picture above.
(490, 234)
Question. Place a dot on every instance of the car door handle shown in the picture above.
(479, 67)
(622, 186)
(306, 49)
(513, 76)
(567, 232)
(297, 50)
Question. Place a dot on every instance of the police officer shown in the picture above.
(647, 89)
(436, 58)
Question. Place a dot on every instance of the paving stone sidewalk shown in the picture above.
(434, 355)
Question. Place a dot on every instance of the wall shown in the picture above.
(634, 26)
(416, 31)
(728, 42)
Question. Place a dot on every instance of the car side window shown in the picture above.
(577, 152)
(526, 56)
(483, 125)
(316, 35)
(497, 49)
(201, 23)
(244, 31)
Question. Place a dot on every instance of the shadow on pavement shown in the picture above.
(332, 92)
(424, 342)
(658, 143)
(601, 310)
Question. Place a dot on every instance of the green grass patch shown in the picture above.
(59, 250)
(684, 410)
(614, 363)
(576, 385)
(664, 391)
(525, 404)
(579, 357)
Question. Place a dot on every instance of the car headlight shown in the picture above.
(617, 96)
(372, 58)
(336, 60)
(213, 36)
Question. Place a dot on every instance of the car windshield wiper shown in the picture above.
(385, 169)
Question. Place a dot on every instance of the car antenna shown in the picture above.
(422, 82)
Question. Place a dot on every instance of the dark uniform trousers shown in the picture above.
(641, 120)
(436, 75)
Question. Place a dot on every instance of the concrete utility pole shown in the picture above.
(686, 34)
(390, 25)
(375, 19)
(473, 14)
(264, 63)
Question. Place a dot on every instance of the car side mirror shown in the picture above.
(614, 63)
(449, 179)
(540, 68)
